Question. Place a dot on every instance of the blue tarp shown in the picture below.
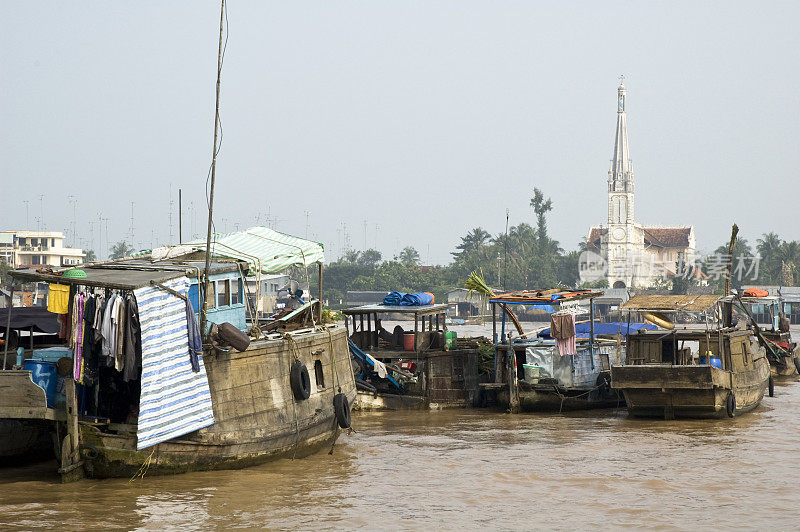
(407, 300)
(416, 300)
(610, 329)
(393, 299)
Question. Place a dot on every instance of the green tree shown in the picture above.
(769, 248)
(541, 207)
(409, 257)
(4, 269)
(119, 250)
(369, 258)
(90, 256)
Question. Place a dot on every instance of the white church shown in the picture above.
(632, 255)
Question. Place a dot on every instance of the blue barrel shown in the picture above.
(44, 375)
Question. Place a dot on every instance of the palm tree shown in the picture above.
(119, 250)
(409, 256)
(769, 248)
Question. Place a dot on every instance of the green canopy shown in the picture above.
(264, 248)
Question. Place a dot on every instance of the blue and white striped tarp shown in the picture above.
(174, 400)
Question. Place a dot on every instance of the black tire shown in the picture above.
(341, 407)
(730, 404)
(771, 386)
(797, 364)
(300, 381)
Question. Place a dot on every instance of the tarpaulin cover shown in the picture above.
(261, 246)
(39, 318)
(416, 300)
(402, 299)
(393, 299)
(174, 399)
(609, 329)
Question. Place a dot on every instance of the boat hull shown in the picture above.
(667, 391)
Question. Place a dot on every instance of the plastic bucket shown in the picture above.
(450, 339)
(532, 372)
(715, 361)
(408, 341)
(44, 375)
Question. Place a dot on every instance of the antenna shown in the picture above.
(170, 211)
(41, 212)
(365, 235)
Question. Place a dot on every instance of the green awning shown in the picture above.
(264, 248)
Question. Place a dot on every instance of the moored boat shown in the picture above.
(691, 371)
(277, 394)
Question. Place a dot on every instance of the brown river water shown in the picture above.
(465, 469)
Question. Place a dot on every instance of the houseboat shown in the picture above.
(704, 368)
(399, 367)
(547, 370)
(249, 397)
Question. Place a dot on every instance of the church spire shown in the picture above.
(621, 172)
(620, 175)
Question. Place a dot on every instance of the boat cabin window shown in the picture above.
(224, 293)
(236, 295)
(318, 374)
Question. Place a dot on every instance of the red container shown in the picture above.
(408, 341)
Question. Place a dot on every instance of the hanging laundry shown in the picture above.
(195, 339)
(58, 298)
(108, 331)
(76, 340)
(132, 349)
(562, 328)
(118, 320)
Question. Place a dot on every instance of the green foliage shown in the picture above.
(409, 256)
(330, 316)
(90, 256)
(119, 250)
(4, 269)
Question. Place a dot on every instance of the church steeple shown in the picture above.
(620, 175)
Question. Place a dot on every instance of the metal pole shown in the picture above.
(213, 176)
(591, 331)
(180, 218)
(8, 324)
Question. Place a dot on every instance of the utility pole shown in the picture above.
(307, 215)
(170, 211)
(180, 220)
(132, 230)
(41, 211)
(505, 258)
(365, 235)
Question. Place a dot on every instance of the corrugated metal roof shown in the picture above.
(264, 248)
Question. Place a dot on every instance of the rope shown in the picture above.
(294, 350)
(145, 466)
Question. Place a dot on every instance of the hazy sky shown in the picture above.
(425, 119)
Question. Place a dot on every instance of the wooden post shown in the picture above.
(71, 463)
(320, 292)
(513, 384)
(8, 325)
(416, 330)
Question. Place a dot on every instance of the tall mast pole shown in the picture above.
(213, 175)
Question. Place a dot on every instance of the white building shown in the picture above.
(37, 248)
(633, 255)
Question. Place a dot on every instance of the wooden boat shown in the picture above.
(441, 371)
(257, 413)
(572, 382)
(691, 371)
(771, 327)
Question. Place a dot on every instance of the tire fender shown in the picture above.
(300, 381)
(341, 407)
(771, 386)
(730, 404)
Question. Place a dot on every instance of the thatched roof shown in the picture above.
(671, 302)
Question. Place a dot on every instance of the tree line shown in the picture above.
(526, 257)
